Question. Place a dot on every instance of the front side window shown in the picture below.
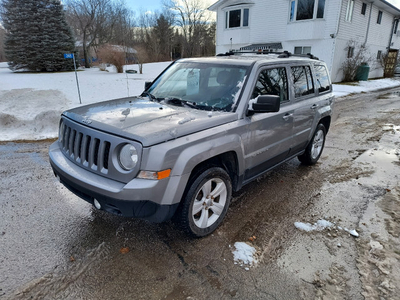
(237, 18)
(349, 10)
(302, 81)
(272, 82)
(323, 84)
(306, 9)
(379, 20)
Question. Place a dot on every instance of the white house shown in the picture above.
(323, 28)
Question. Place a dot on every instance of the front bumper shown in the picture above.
(138, 198)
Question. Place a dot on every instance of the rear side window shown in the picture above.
(322, 77)
(272, 82)
(302, 81)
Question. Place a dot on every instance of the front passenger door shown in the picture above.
(268, 136)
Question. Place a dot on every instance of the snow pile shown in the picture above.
(340, 90)
(321, 225)
(244, 254)
(31, 103)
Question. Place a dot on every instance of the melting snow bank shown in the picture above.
(341, 90)
(321, 225)
(244, 254)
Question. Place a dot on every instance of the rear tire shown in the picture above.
(205, 202)
(315, 147)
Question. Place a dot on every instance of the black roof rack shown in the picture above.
(284, 54)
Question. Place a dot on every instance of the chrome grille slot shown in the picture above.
(71, 143)
(107, 146)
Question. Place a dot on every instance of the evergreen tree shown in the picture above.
(37, 35)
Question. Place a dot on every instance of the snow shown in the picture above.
(321, 225)
(244, 254)
(341, 90)
(31, 103)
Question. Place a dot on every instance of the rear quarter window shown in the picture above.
(322, 77)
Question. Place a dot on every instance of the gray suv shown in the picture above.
(201, 130)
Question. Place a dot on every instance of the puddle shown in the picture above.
(392, 95)
(384, 158)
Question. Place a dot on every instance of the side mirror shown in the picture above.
(147, 84)
(266, 103)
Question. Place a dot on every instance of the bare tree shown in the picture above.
(98, 22)
(357, 54)
(156, 35)
(191, 17)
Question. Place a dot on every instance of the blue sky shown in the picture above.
(147, 5)
(152, 5)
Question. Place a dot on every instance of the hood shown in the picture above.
(146, 121)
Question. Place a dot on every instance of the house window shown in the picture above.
(292, 10)
(306, 9)
(321, 8)
(302, 81)
(237, 18)
(379, 55)
(245, 17)
(349, 11)
(364, 8)
(302, 50)
(380, 13)
(234, 18)
(350, 52)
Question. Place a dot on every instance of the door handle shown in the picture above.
(314, 106)
(287, 116)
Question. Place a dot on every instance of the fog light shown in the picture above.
(97, 204)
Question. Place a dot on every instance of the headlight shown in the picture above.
(128, 157)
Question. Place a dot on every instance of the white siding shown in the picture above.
(328, 37)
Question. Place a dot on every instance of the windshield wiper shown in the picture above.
(178, 101)
(148, 94)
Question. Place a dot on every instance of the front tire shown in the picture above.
(315, 147)
(206, 202)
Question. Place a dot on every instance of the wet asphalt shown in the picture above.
(55, 246)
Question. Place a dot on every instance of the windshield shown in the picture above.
(200, 85)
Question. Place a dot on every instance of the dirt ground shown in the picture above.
(56, 246)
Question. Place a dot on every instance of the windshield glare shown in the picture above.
(208, 86)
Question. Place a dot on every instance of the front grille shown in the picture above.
(86, 150)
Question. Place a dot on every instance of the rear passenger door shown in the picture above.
(305, 106)
(268, 136)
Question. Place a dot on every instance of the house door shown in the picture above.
(390, 63)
